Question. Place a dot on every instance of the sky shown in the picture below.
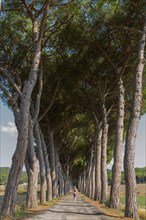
(8, 139)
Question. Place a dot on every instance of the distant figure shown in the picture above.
(75, 193)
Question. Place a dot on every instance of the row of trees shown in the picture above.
(139, 172)
(67, 71)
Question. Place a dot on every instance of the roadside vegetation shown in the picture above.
(140, 176)
(4, 172)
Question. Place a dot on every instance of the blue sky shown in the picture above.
(8, 138)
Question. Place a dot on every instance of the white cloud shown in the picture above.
(9, 129)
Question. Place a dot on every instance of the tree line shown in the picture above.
(139, 172)
(4, 172)
(73, 74)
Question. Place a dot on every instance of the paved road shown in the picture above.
(67, 209)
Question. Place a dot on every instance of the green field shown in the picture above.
(4, 172)
(141, 199)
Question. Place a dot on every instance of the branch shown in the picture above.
(137, 9)
(107, 57)
(134, 30)
(101, 96)
(38, 99)
(40, 11)
(109, 110)
(51, 104)
(7, 94)
(43, 20)
(57, 29)
(27, 8)
(26, 31)
(11, 81)
(95, 118)
(5, 51)
(32, 4)
(13, 103)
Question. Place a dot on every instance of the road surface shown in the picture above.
(67, 209)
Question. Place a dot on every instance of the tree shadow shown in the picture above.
(97, 213)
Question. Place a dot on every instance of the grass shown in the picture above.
(141, 200)
(20, 210)
(22, 213)
(119, 214)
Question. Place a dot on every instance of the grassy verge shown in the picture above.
(119, 214)
(141, 200)
(22, 213)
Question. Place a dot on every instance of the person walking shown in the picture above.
(75, 193)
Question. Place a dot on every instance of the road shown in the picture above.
(67, 209)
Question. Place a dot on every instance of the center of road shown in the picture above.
(68, 209)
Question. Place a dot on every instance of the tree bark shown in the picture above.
(9, 200)
(93, 179)
(98, 164)
(88, 184)
(60, 178)
(47, 168)
(67, 183)
(32, 171)
(116, 173)
(57, 170)
(104, 182)
(131, 209)
(41, 165)
(84, 181)
(52, 163)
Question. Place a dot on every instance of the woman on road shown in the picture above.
(75, 193)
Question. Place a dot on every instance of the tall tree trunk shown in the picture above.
(18, 159)
(32, 171)
(59, 182)
(9, 200)
(131, 209)
(41, 166)
(84, 181)
(104, 182)
(116, 173)
(98, 164)
(67, 176)
(47, 168)
(65, 180)
(93, 179)
(60, 179)
(56, 170)
(52, 163)
(88, 185)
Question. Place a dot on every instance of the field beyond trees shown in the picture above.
(22, 193)
(4, 171)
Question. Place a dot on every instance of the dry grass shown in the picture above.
(118, 214)
(141, 189)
